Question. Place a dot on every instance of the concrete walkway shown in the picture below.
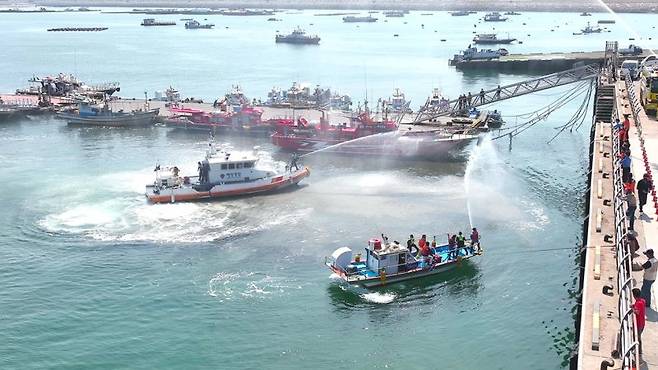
(646, 223)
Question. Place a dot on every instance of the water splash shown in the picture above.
(381, 298)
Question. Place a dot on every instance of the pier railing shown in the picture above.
(432, 111)
(628, 337)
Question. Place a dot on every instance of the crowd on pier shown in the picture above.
(643, 187)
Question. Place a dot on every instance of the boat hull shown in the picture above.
(191, 192)
(128, 120)
(374, 282)
(249, 130)
(493, 42)
(408, 145)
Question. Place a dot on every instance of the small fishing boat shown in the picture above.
(585, 14)
(491, 39)
(390, 262)
(223, 174)
(93, 115)
(298, 36)
(357, 19)
(195, 25)
(494, 17)
(397, 103)
(151, 22)
(589, 29)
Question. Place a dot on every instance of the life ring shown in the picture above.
(417, 250)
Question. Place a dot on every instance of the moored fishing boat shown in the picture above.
(223, 174)
(298, 36)
(491, 39)
(303, 137)
(246, 120)
(93, 115)
(357, 19)
(390, 262)
(494, 17)
(195, 25)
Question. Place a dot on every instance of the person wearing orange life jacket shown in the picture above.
(424, 246)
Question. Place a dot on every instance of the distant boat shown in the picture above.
(298, 36)
(194, 25)
(491, 38)
(461, 13)
(152, 22)
(494, 17)
(246, 12)
(91, 115)
(356, 19)
(394, 13)
(473, 53)
(589, 29)
(511, 13)
(585, 14)
(607, 21)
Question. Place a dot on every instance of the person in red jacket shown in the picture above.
(640, 314)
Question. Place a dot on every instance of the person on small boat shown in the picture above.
(423, 246)
(411, 243)
(452, 245)
(200, 169)
(475, 240)
(461, 242)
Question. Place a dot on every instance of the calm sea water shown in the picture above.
(94, 277)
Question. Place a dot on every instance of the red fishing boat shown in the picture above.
(301, 136)
(246, 120)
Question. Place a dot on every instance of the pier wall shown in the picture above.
(606, 329)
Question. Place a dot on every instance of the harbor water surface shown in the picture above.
(95, 277)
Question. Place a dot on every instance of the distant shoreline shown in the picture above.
(628, 6)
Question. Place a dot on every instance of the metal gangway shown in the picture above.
(431, 110)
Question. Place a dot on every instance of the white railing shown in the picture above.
(628, 343)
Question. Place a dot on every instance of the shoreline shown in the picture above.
(629, 6)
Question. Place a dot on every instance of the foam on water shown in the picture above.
(229, 286)
(381, 298)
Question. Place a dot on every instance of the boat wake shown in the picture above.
(381, 298)
(127, 216)
(227, 286)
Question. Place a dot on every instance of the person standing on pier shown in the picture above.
(640, 315)
(643, 188)
(626, 166)
(469, 100)
(627, 123)
(481, 96)
(650, 269)
(497, 92)
(631, 206)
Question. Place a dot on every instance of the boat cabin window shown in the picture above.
(238, 165)
(231, 166)
(248, 165)
(224, 166)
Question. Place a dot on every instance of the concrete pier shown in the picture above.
(539, 62)
(607, 332)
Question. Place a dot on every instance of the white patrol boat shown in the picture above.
(390, 262)
(222, 174)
